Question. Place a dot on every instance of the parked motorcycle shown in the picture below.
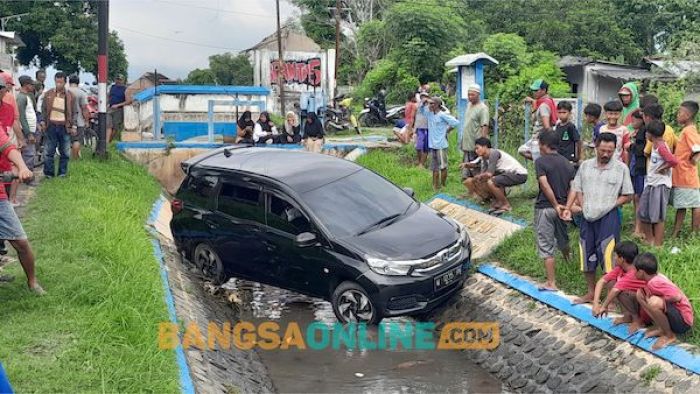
(334, 120)
(373, 114)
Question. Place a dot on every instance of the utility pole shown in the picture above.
(102, 29)
(337, 47)
(280, 71)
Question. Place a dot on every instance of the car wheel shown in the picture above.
(352, 304)
(210, 264)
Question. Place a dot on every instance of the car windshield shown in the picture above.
(356, 203)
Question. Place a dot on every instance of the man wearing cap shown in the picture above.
(117, 101)
(420, 126)
(57, 123)
(476, 125)
(439, 124)
(27, 118)
(545, 110)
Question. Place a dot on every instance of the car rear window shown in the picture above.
(241, 202)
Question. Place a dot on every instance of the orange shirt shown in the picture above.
(685, 174)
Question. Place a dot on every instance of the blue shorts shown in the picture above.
(10, 226)
(422, 140)
(638, 184)
(597, 242)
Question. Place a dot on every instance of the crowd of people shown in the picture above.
(54, 120)
(636, 158)
(263, 131)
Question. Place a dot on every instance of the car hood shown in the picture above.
(418, 234)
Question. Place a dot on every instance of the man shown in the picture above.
(57, 124)
(420, 127)
(81, 115)
(12, 126)
(117, 101)
(545, 117)
(476, 125)
(10, 226)
(27, 118)
(554, 175)
(499, 170)
(439, 124)
(600, 187)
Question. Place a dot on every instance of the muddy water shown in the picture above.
(351, 370)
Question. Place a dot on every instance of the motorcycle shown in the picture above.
(335, 120)
(374, 114)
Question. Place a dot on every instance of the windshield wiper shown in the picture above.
(379, 223)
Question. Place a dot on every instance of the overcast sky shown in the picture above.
(177, 36)
(155, 32)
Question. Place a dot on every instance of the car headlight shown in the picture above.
(464, 235)
(386, 267)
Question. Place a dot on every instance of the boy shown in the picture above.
(654, 199)
(439, 124)
(554, 176)
(663, 301)
(499, 170)
(686, 185)
(655, 111)
(569, 138)
(638, 165)
(419, 125)
(622, 285)
(10, 226)
(591, 117)
(613, 111)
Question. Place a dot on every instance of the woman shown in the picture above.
(629, 95)
(265, 132)
(290, 131)
(313, 134)
(244, 134)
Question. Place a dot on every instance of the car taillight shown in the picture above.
(176, 206)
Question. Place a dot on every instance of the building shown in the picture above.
(308, 69)
(9, 41)
(145, 81)
(681, 68)
(599, 81)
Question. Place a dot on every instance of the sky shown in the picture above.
(177, 36)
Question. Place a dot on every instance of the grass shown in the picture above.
(96, 330)
(518, 252)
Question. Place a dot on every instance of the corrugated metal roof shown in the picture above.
(469, 59)
(147, 94)
(679, 68)
(629, 74)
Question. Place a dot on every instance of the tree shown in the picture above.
(224, 69)
(63, 35)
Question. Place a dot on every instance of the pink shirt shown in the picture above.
(624, 281)
(661, 286)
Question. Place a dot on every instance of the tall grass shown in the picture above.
(96, 330)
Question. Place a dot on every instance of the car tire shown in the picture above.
(210, 264)
(352, 304)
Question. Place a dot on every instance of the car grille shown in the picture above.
(446, 256)
(403, 302)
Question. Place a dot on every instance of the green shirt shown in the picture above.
(476, 117)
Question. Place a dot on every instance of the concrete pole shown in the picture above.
(102, 67)
(280, 73)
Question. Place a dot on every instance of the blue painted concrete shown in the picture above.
(182, 131)
(672, 353)
(477, 207)
(147, 94)
(5, 387)
(186, 384)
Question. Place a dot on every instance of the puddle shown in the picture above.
(357, 371)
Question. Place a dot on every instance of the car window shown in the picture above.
(241, 202)
(284, 216)
(198, 190)
(350, 204)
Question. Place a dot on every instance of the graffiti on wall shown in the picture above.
(305, 72)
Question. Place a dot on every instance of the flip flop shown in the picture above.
(499, 212)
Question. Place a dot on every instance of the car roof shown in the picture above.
(300, 170)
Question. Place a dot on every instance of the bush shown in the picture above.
(398, 82)
(671, 95)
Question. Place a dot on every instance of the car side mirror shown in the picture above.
(409, 191)
(304, 240)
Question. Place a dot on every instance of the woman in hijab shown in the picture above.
(629, 95)
(313, 134)
(290, 131)
(265, 132)
(245, 129)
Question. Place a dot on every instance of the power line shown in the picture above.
(178, 41)
(214, 9)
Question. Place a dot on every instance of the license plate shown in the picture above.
(448, 277)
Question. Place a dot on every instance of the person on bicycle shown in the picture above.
(81, 115)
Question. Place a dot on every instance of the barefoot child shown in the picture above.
(686, 184)
(622, 285)
(663, 301)
(657, 188)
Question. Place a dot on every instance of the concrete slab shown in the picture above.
(486, 231)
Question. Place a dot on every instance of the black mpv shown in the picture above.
(318, 225)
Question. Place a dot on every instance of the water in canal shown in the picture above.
(343, 370)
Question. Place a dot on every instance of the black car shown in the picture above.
(318, 225)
